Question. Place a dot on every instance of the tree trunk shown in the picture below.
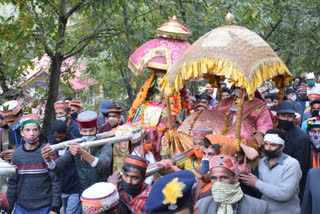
(55, 71)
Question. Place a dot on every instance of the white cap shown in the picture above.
(99, 197)
(310, 76)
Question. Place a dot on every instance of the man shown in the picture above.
(162, 199)
(76, 108)
(34, 188)
(311, 83)
(93, 165)
(256, 118)
(195, 161)
(142, 146)
(114, 118)
(297, 143)
(296, 83)
(313, 131)
(134, 190)
(311, 197)
(102, 118)
(291, 96)
(279, 176)
(70, 184)
(102, 198)
(227, 196)
(311, 97)
(314, 110)
(63, 112)
(12, 112)
(4, 134)
(226, 92)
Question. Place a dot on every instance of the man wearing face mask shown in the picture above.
(258, 117)
(313, 95)
(314, 109)
(314, 134)
(296, 83)
(142, 146)
(92, 165)
(63, 112)
(279, 176)
(12, 112)
(133, 190)
(76, 108)
(291, 95)
(227, 196)
(297, 144)
(114, 119)
(194, 162)
(311, 83)
(302, 97)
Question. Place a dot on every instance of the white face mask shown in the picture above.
(237, 92)
(63, 118)
(89, 137)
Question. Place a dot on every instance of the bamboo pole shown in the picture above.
(238, 120)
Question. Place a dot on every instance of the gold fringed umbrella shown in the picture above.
(231, 52)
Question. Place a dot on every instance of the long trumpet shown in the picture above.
(66, 144)
(152, 169)
(6, 169)
(89, 144)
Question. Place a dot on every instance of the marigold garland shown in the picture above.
(175, 103)
(140, 97)
(144, 107)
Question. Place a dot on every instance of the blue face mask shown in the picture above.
(15, 126)
(205, 167)
(310, 83)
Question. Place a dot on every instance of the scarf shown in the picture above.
(225, 196)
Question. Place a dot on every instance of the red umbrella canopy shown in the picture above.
(161, 53)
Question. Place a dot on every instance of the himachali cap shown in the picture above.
(224, 161)
(30, 118)
(62, 104)
(75, 103)
(313, 122)
(171, 193)
(136, 162)
(137, 136)
(310, 76)
(10, 108)
(87, 119)
(200, 133)
(314, 93)
(99, 197)
(114, 109)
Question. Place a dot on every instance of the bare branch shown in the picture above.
(273, 28)
(73, 9)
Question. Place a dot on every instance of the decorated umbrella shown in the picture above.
(231, 52)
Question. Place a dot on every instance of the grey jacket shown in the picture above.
(88, 175)
(247, 205)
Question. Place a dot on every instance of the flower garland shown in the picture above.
(194, 120)
(227, 123)
(175, 103)
(140, 97)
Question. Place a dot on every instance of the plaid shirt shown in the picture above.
(137, 204)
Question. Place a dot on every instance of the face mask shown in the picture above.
(74, 115)
(237, 92)
(31, 141)
(89, 137)
(310, 83)
(303, 97)
(226, 195)
(315, 113)
(131, 189)
(269, 105)
(284, 124)
(198, 153)
(63, 118)
(271, 154)
(5, 126)
(296, 83)
(148, 147)
(315, 138)
(15, 126)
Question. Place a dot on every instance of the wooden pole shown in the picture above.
(281, 91)
(238, 120)
(169, 117)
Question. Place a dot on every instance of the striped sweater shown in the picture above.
(34, 186)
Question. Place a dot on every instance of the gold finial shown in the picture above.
(174, 18)
(229, 18)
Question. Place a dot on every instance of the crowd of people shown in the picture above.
(273, 168)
